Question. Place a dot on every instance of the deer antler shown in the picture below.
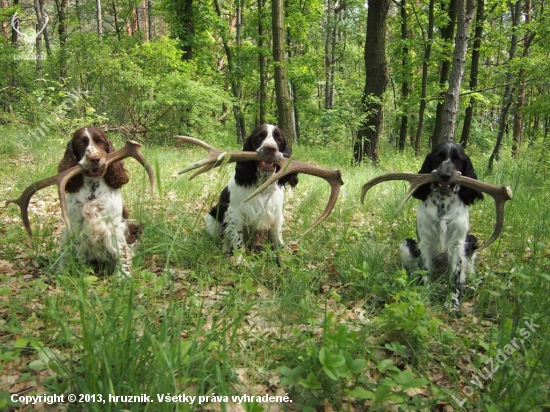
(217, 157)
(499, 193)
(38, 33)
(130, 150)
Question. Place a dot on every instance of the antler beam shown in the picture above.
(500, 194)
(130, 150)
(217, 157)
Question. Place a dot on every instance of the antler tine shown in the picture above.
(24, 199)
(131, 149)
(333, 177)
(500, 194)
(197, 142)
(215, 157)
(213, 153)
(415, 180)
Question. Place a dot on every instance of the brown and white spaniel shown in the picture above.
(98, 228)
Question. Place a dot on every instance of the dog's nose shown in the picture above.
(270, 150)
(93, 158)
(445, 176)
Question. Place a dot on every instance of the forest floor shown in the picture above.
(338, 327)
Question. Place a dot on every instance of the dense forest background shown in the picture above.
(151, 69)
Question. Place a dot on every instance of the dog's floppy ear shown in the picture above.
(245, 172)
(292, 178)
(116, 175)
(248, 146)
(468, 168)
(466, 194)
(69, 160)
(427, 167)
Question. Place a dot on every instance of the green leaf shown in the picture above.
(311, 382)
(330, 360)
(21, 343)
(360, 393)
(357, 365)
(385, 365)
(47, 354)
(406, 380)
(382, 393)
(5, 400)
(38, 365)
(290, 376)
(291, 373)
(331, 372)
(90, 280)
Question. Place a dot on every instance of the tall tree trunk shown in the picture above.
(424, 92)
(134, 22)
(284, 107)
(115, 18)
(262, 61)
(405, 73)
(241, 127)
(42, 22)
(528, 38)
(508, 96)
(376, 82)
(100, 36)
(99, 18)
(234, 80)
(464, 17)
(39, 57)
(186, 16)
(61, 6)
(330, 33)
(38, 40)
(150, 30)
(474, 70)
(447, 35)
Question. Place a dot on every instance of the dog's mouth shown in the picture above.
(95, 172)
(267, 167)
(444, 188)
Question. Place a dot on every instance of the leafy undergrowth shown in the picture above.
(339, 327)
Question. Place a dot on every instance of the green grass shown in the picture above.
(339, 325)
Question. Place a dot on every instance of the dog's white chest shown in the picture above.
(94, 201)
(263, 210)
(442, 217)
